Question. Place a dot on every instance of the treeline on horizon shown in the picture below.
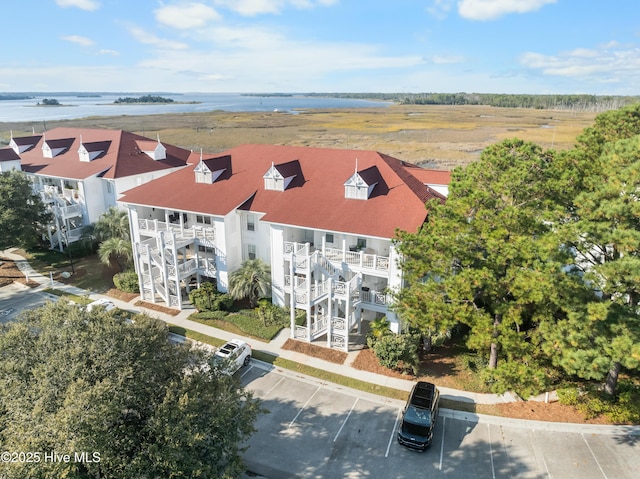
(504, 100)
(144, 99)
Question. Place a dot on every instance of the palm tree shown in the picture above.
(113, 223)
(117, 248)
(251, 281)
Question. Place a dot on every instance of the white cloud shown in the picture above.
(440, 8)
(84, 41)
(252, 58)
(252, 8)
(82, 4)
(608, 63)
(492, 9)
(186, 15)
(113, 53)
(150, 39)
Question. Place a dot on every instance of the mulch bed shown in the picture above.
(331, 355)
(121, 295)
(366, 361)
(9, 273)
(157, 307)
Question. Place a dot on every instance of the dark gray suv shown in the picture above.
(419, 416)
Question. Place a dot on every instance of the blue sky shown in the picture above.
(485, 46)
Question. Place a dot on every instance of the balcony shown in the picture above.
(365, 260)
(379, 298)
(360, 259)
(155, 227)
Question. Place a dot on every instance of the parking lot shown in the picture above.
(15, 298)
(319, 430)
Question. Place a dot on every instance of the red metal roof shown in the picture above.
(121, 158)
(318, 201)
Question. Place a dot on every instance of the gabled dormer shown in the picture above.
(279, 177)
(208, 171)
(361, 184)
(153, 149)
(53, 148)
(92, 150)
(9, 160)
(20, 145)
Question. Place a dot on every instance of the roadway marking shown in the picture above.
(541, 453)
(273, 387)
(345, 419)
(493, 470)
(594, 456)
(393, 432)
(302, 408)
(444, 421)
(248, 369)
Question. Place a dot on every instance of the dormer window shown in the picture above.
(53, 148)
(90, 151)
(279, 177)
(154, 150)
(361, 184)
(20, 145)
(208, 171)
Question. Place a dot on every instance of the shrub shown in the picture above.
(398, 351)
(126, 281)
(378, 328)
(271, 314)
(592, 402)
(207, 298)
(80, 249)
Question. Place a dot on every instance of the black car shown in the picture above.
(419, 416)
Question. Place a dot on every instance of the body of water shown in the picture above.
(82, 106)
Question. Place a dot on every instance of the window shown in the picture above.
(203, 220)
(251, 223)
(206, 249)
(251, 251)
(362, 243)
(329, 238)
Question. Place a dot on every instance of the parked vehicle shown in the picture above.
(233, 355)
(419, 416)
(102, 302)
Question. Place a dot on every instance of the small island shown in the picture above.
(144, 99)
(49, 102)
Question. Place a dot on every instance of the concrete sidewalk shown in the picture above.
(273, 347)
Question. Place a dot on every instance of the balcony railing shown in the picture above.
(155, 227)
(374, 297)
(358, 258)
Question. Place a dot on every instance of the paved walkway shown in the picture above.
(273, 347)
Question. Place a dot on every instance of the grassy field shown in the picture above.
(436, 136)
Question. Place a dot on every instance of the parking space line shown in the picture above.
(302, 408)
(444, 421)
(540, 452)
(346, 419)
(248, 369)
(393, 432)
(493, 469)
(594, 456)
(273, 387)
